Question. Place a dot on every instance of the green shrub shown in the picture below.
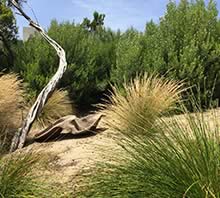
(90, 57)
(184, 45)
(128, 57)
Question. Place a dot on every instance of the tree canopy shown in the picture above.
(8, 32)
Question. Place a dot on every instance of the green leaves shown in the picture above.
(184, 45)
(127, 57)
(90, 57)
(95, 24)
(8, 31)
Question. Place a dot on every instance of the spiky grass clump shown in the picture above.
(58, 105)
(11, 98)
(183, 160)
(143, 100)
(18, 177)
(4, 140)
(11, 101)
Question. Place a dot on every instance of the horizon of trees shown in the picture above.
(183, 45)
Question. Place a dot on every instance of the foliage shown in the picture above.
(127, 57)
(190, 40)
(17, 178)
(179, 159)
(8, 31)
(37, 66)
(184, 45)
(95, 24)
(89, 57)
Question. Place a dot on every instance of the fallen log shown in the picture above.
(69, 125)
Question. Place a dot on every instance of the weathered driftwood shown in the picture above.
(20, 137)
(69, 125)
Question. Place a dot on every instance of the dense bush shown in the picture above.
(184, 45)
(90, 56)
(128, 57)
(7, 36)
(189, 44)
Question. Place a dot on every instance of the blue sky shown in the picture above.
(120, 14)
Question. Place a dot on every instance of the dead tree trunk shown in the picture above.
(20, 137)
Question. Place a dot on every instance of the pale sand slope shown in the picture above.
(69, 157)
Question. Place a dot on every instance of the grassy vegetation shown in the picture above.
(13, 106)
(58, 105)
(181, 159)
(163, 156)
(141, 102)
(11, 100)
(19, 173)
(18, 178)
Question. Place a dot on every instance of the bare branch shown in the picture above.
(20, 137)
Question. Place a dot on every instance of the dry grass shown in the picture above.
(145, 98)
(58, 105)
(11, 100)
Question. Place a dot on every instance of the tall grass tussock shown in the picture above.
(22, 176)
(16, 177)
(11, 98)
(14, 106)
(11, 101)
(57, 106)
(181, 160)
(143, 100)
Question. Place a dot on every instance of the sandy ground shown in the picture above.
(69, 157)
